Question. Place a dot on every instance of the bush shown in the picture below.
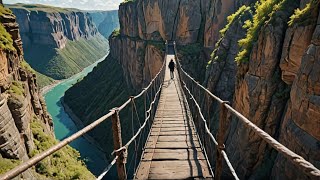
(115, 33)
(234, 17)
(306, 15)
(64, 164)
(265, 10)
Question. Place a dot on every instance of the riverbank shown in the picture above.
(80, 125)
(46, 89)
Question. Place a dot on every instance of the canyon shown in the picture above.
(60, 42)
(263, 59)
(26, 126)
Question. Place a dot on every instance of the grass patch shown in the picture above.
(16, 88)
(6, 42)
(64, 164)
(305, 16)
(7, 164)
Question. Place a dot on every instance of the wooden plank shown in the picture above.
(187, 169)
(173, 150)
(173, 154)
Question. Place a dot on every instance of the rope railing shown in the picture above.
(296, 159)
(209, 133)
(34, 160)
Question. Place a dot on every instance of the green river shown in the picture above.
(64, 126)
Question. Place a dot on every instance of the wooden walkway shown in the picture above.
(172, 150)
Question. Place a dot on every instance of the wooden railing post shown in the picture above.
(117, 143)
(220, 140)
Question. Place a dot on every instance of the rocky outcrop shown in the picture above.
(106, 21)
(300, 127)
(185, 22)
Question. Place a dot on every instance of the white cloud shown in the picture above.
(80, 4)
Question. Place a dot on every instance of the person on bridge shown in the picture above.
(171, 67)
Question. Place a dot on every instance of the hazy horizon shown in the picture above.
(78, 4)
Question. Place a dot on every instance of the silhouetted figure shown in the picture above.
(171, 67)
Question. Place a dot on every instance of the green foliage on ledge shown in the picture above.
(305, 16)
(234, 17)
(16, 88)
(265, 10)
(63, 164)
(115, 33)
(6, 42)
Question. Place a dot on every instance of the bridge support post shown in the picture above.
(220, 140)
(117, 143)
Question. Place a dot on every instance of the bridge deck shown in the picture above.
(172, 150)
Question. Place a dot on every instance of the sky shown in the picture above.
(79, 4)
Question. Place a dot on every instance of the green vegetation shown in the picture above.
(42, 80)
(115, 33)
(6, 42)
(7, 164)
(307, 15)
(63, 63)
(64, 164)
(264, 11)
(233, 17)
(41, 7)
(16, 88)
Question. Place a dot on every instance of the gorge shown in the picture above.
(260, 56)
(258, 60)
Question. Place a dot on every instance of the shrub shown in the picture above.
(64, 164)
(305, 16)
(264, 11)
(233, 17)
(115, 33)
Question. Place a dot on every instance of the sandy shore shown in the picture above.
(46, 89)
(79, 125)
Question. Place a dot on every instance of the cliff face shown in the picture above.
(20, 101)
(106, 21)
(26, 127)
(49, 35)
(260, 88)
(53, 28)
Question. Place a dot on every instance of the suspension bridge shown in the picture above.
(179, 143)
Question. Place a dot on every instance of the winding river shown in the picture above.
(64, 126)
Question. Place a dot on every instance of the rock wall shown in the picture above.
(275, 89)
(20, 100)
(53, 28)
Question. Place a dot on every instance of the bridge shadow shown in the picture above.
(188, 119)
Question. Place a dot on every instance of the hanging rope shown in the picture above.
(107, 169)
